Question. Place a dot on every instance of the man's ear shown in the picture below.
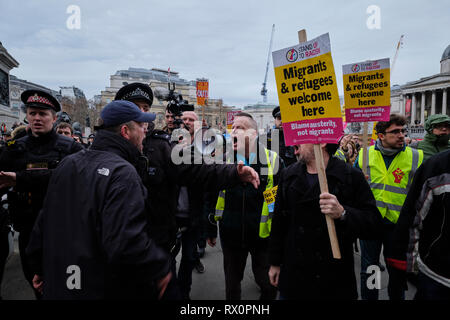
(125, 131)
(381, 136)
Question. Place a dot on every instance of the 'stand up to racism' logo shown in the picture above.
(355, 68)
(292, 55)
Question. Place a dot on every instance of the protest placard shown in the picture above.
(367, 91)
(307, 92)
(230, 118)
(202, 92)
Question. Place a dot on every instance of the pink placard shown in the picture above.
(327, 130)
(363, 114)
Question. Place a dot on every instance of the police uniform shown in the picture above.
(32, 158)
(287, 153)
(161, 193)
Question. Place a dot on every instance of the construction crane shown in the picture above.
(400, 42)
(264, 90)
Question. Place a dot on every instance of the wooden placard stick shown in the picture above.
(365, 154)
(320, 165)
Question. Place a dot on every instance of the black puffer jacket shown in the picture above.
(422, 234)
(46, 152)
(299, 240)
(94, 217)
(240, 224)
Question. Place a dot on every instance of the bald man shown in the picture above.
(189, 118)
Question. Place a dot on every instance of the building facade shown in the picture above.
(262, 114)
(214, 112)
(7, 62)
(421, 98)
(17, 87)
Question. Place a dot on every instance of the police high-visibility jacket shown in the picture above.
(267, 210)
(390, 186)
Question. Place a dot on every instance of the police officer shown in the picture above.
(26, 165)
(286, 152)
(157, 148)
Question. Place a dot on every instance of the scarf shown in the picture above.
(386, 151)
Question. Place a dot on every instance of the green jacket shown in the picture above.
(432, 145)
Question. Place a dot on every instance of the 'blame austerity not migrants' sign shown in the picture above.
(367, 91)
(307, 92)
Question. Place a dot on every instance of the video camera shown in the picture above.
(176, 104)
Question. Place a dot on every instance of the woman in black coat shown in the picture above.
(302, 263)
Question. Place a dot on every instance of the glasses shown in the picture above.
(441, 126)
(397, 131)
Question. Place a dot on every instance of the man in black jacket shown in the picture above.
(91, 240)
(244, 217)
(302, 265)
(422, 234)
(27, 164)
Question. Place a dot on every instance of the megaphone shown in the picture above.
(208, 141)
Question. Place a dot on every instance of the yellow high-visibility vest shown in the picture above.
(265, 224)
(390, 186)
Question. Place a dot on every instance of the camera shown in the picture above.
(175, 103)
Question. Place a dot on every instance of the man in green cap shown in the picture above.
(438, 134)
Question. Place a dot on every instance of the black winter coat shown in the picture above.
(423, 227)
(299, 239)
(94, 217)
(239, 226)
(45, 152)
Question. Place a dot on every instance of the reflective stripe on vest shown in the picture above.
(266, 216)
(390, 186)
(340, 155)
(220, 206)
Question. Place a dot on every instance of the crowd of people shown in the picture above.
(106, 219)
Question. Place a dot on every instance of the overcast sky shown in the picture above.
(224, 41)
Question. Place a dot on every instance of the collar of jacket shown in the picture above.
(112, 142)
(334, 168)
(43, 138)
(437, 140)
(253, 156)
(335, 172)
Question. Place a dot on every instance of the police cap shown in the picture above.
(276, 112)
(40, 99)
(135, 91)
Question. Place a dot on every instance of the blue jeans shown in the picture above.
(189, 259)
(370, 255)
(428, 289)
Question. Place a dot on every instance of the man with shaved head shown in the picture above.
(243, 214)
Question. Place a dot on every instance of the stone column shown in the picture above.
(402, 104)
(444, 101)
(413, 108)
(422, 108)
(433, 102)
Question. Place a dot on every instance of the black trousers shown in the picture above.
(24, 238)
(234, 261)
